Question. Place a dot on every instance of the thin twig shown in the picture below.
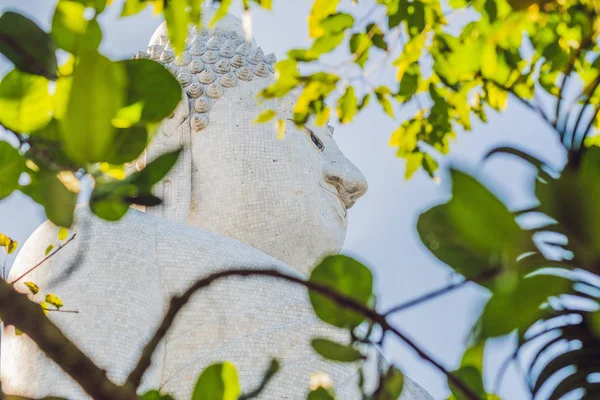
(45, 259)
(427, 297)
(177, 303)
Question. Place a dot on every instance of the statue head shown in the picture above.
(287, 197)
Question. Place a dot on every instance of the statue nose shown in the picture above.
(347, 178)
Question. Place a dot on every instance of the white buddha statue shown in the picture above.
(238, 197)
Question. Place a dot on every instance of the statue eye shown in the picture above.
(315, 140)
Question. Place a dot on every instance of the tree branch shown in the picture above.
(427, 297)
(16, 309)
(45, 259)
(177, 303)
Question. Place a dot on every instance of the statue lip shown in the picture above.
(342, 211)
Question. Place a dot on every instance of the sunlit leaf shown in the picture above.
(177, 18)
(265, 116)
(33, 288)
(99, 91)
(53, 300)
(347, 106)
(49, 249)
(217, 382)
(320, 10)
(27, 46)
(72, 31)
(359, 46)
(25, 102)
(63, 233)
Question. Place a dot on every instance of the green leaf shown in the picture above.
(132, 7)
(98, 92)
(33, 288)
(519, 306)
(11, 168)
(27, 46)
(364, 102)
(336, 23)
(359, 47)
(111, 198)
(127, 145)
(320, 10)
(63, 233)
(218, 382)
(383, 93)
(49, 249)
(474, 233)
(221, 11)
(390, 386)
(177, 18)
(72, 31)
(47, 190)
(471, 377)
(377, 36)
(265, 116)
(347, 106)
(321, 393)
(25, 102)
(346, 276)
(149, 82)
(335, 351)
(54, 300)
(156, 395)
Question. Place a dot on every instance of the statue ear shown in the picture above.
(182, 111)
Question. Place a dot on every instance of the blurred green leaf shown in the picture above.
(347, 106)
(382, 93)
(11, 168)
(390, 385)
(59, 203)
(128, 144)
(27, 46)
(25, 102)
(265, 116)
(217, 382)
(474, 233)
(335, 351)
(321, 9)
(98, 92)
(346, 276)
(63, 233)
(518, 306)
(175, 12)
(320, 393)
(471, 377)
(72, 31)
(359, 47)
(156, 395)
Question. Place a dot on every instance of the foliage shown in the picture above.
(88, 115)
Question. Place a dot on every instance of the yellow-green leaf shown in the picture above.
(217, 382)
(25, 102)
(33, 288)
(63, 233)
(265, 116)
(11, 168)
(347, 106)
(49, 249)
(54, 300)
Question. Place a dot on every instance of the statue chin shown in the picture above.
(238, 197)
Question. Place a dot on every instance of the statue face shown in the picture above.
(286, 197)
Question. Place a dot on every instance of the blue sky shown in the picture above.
(382, 224)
